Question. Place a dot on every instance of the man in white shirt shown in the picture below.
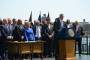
(37, 31)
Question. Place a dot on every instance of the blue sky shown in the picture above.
(72, 9)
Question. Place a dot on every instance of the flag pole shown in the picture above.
(31, 16)
(40, 14)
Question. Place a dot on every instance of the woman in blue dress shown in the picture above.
(28, 32)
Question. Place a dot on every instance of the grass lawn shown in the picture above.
(83, 52)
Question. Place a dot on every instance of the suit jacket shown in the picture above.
(18, 32)
(6, 30)
(3, 38)
(34, 30)
(57, 26)
(80, 31)
(13, 26)
(48, 31)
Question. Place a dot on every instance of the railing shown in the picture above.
(85, 46)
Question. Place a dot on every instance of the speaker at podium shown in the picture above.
(66, 44)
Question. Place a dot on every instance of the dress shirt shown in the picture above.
(48, 26)
(68, 25)
(61, 22)
(38, 31)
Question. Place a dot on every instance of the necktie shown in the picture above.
(76, 28)
(10, 28)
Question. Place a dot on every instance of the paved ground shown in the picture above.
(82, 57)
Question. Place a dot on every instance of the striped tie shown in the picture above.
(76, 29)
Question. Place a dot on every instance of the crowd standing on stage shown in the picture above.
(14, 30)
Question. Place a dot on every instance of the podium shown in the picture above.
(66, 44)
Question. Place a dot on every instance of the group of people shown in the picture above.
(14, 30)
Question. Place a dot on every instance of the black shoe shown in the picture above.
(46, 56)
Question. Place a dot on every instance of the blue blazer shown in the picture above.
(29, 34)
(6, 30)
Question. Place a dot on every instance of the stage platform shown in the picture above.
(82, 57)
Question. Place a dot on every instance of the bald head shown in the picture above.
(5, 21)
(61, 16)
(37, 22)
(20, 21)
(76, 22)
(9, 21)
(68, 21)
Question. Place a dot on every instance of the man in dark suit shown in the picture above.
(14, 23)
(67, 24)
(48, 31)
(18, 32)
(10, 28)
(80, 33)
(58, 25)
(5, 35)
(43, 35)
